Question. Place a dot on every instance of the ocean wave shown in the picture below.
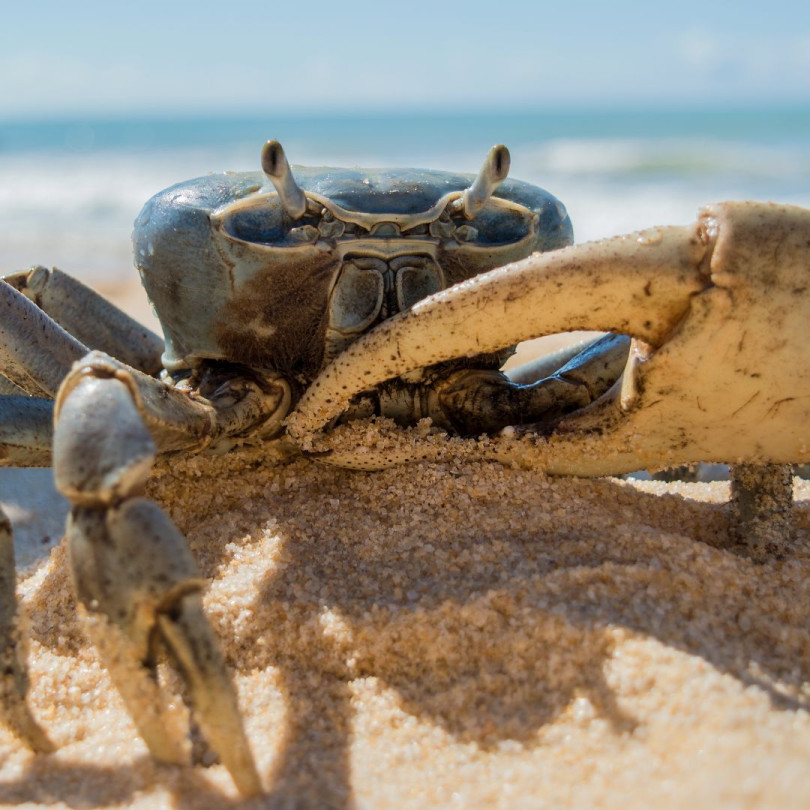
(631, 159)
(75, 210)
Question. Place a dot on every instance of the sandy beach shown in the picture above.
(456, 634)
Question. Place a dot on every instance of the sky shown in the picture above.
(146, 57)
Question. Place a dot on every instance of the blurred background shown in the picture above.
(632, 113)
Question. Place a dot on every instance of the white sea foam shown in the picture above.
(683, 157)
(75, 210)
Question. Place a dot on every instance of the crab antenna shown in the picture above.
(492, 174)
(276, 167)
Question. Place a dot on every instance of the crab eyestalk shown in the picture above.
(276, 167)
(492, 174)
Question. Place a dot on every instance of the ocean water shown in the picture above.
(70, 189)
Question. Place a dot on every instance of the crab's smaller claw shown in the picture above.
(188, 635)
(13, 673)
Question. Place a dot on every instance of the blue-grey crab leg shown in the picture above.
(13, 673)
(132, 569)
(8, 388)
(90, 317)
(475, 401)
(35, 352)
(26, 431)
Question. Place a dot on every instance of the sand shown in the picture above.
(453, 634)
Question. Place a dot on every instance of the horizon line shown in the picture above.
(445, 112)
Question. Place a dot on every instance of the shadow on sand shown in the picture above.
(488, 628)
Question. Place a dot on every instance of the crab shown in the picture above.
(293, 303)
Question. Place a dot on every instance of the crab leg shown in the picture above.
(35, 352)
(134, 573)
(26, 431)
(89, 317)
(139, 584)
(762, 500)
(13, 673)
(132, 569)
(8, 388)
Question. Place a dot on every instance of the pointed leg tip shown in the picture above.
(17, 717)
(36, 739)
(141, 591)
(188, 635)
(247, 780)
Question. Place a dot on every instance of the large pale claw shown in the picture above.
(138, 581)
(722, 308)
(13, 674)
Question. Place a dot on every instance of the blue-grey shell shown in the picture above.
(230, 287)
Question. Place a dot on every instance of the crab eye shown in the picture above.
(497, 226)
(264, 225)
